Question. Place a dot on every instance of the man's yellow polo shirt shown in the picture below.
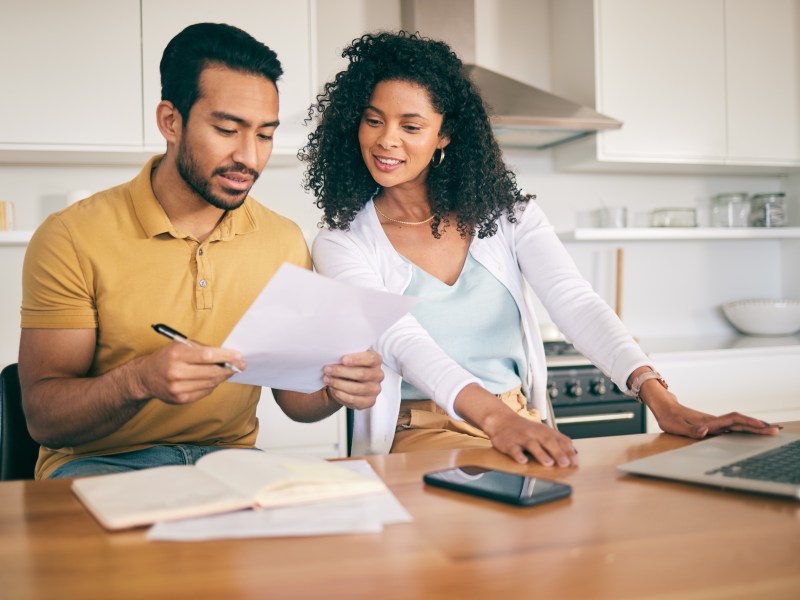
(115, 263)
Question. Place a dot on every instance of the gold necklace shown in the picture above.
(380, 212)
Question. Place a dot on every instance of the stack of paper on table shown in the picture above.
(226, 480)
(358, 514)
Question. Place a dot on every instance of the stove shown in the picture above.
(561, 353)
(585, 402)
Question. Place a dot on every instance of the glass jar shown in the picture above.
(730, 210)
(768, 210)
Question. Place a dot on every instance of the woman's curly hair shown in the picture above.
(473, 182)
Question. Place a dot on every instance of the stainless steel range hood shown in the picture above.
(522, 115)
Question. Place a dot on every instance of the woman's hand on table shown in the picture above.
(518, 437)
(513, 434)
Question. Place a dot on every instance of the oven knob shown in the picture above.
(598, 387)
(552, 391)
(574, 389)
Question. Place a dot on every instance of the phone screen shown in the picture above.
(499, 485)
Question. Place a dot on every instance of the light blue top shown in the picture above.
(475, 321)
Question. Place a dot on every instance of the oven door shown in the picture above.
(601, 419)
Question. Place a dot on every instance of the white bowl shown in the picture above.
(764, 317)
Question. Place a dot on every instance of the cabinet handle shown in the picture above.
(623, 416)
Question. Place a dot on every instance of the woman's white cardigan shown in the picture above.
(524, 256)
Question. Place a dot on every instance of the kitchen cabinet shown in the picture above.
(84, 78)
(71, 74)
(287, 32)
(698, 84)
(762, 46)
(661, 71)
(278, 433)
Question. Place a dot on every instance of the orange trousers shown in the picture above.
(423, 425)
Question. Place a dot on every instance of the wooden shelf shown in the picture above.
(679, 233)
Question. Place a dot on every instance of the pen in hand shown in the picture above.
(177, 336)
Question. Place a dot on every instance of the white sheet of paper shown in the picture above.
(364, 514)
(303, 321)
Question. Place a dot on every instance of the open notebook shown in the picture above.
(754, 463)
(222, 481)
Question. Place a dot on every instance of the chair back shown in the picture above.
(350, 419)
(18, 450)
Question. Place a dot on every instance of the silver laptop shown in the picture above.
(754, 463)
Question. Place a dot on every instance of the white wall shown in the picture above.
(791, 250)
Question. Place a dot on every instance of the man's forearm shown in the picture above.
(306, 408)
(70, 411)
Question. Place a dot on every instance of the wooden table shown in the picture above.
(616, 537)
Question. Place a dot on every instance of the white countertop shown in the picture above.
(784, 344)
(705, 346)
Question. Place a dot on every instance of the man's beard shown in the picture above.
(188, 169)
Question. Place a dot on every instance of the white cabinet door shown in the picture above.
(660, 68)
(285, 28)
(697, 83)
(763, 75)
(278, 433)
(70, 73)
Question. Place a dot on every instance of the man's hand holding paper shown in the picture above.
(356, 381)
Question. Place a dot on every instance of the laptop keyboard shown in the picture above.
(781, 465)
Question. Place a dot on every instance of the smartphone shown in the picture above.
(512, 488)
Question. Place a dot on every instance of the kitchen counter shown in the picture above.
(688, 345)
(706, 346)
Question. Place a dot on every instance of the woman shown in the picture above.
(417, 200)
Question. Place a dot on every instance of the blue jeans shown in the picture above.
(157, 456)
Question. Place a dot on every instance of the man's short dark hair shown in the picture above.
(207, 44)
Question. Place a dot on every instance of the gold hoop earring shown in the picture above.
(435, 162)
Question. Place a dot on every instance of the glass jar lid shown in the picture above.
(731, 196)
(769, 196)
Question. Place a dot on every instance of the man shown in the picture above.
(181, 244)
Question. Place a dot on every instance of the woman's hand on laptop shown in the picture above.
(674, 417)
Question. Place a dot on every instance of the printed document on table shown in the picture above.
(302, 321)
(360, 514)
